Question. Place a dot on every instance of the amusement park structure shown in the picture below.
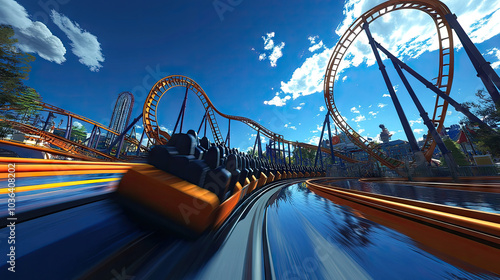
(445, 23)
(121, 115)
(188, 207)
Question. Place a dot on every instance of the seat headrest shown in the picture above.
(185, 144)
(192, 132)
(231, 162)
(212, 157)
(205, 143)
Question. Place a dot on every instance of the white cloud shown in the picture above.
(354, 110)
(322, 108)
(314, 140)
(316, 47)
(297, 108)
(496, 53)
(361, 131)
(409, 33)
(277, 101)
(277, 54)
(386, 95)
(312, 39)
(359, 118)
(32, 36)
(373, 113)
(77, 124)
(418, 130)
(84, 45)
(290, 126)
(268, 41)
(344, 78)
(414, 122)
(274, 52)
(308, 78)
(381, 105)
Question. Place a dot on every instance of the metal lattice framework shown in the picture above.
(70, 148)
(437, 11)
(154, 132)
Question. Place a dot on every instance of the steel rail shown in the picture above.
(161, 87)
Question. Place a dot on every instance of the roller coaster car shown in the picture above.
(191, 186)
(186, 183)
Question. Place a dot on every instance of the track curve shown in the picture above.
(161, 87)
(437, 11)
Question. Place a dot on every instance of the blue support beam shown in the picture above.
(399, 109)
(435, 89)
(69, 127)
(181, 113)
(485, 72)
(330, 139)
(139, 145)
(122, 136)
(228, 137)
(318, 152)
(201, 124)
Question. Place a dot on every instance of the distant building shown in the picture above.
(398, 149)
(121, 115)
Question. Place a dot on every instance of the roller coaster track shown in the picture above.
(437, 11)
(70, 148)
(51, 108)
(54, 109)
(154, 132)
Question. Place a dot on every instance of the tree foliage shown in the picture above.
(78, 133)
(456, 152)
(14, 69)
(485, 109)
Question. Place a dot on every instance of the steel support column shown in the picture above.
(428, 122)
(139, 145)
(181, 113)
(435, 89)
(69, 127)
(330, 138)
(390, 88)
(484, 70)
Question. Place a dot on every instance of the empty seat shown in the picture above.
(218, 178)
(205, 143)
(161, 157)
(232, 166)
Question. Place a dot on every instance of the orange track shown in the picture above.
(153, 131)
(453, 248)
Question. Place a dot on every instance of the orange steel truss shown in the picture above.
(153, 130)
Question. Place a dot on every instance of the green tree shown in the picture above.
(485, 109)
(14, 69)
(456, 152)
(78, 133)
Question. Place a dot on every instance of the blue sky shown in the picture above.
(264, 60)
